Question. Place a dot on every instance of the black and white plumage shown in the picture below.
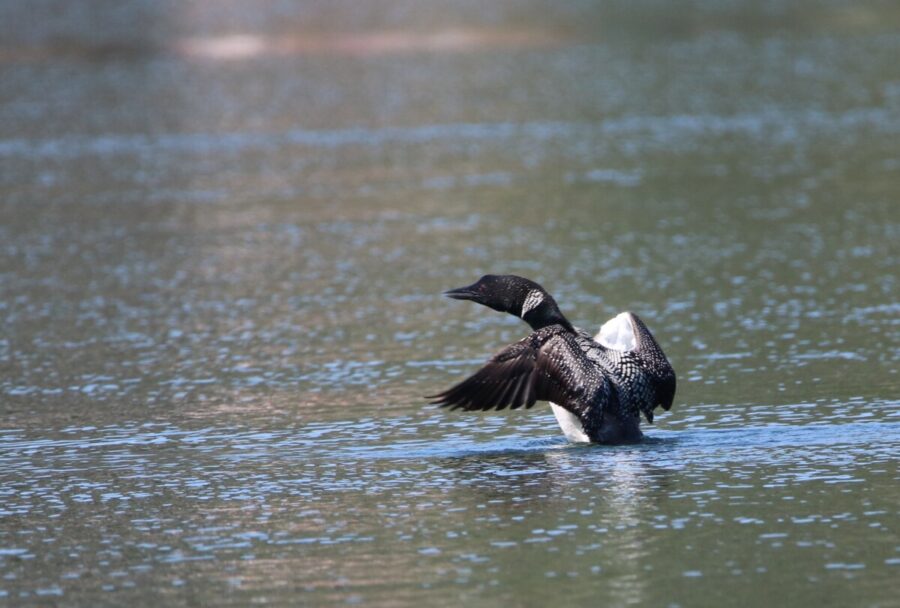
(598, 387)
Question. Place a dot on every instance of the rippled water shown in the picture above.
(221, 257)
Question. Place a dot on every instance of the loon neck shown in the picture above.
(542, 317)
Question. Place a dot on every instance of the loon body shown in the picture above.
(598, 387)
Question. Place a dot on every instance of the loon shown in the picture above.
(597, 386)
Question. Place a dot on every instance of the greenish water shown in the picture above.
(220, 267)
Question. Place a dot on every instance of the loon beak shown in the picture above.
(462, 293)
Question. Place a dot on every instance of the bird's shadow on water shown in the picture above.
(554, 459)
(451, 448)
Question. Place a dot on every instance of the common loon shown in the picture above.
(596, 386)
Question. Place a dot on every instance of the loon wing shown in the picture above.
(658, 375)
(541, 367)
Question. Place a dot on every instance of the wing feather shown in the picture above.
(659, 375)
(519, 375)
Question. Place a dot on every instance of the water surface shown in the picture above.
(222, 244)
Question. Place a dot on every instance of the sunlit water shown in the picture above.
(220, 264)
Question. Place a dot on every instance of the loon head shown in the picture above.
(517, 296)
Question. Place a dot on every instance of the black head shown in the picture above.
(517, 296)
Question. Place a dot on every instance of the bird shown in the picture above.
(597, 387)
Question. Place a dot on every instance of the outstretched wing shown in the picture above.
(658, 383)
(537, 368)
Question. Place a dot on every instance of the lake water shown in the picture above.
(223, 239)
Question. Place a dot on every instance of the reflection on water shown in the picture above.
(221, 252)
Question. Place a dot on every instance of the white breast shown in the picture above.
(570, 424)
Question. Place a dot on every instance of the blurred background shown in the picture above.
(225, 227)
